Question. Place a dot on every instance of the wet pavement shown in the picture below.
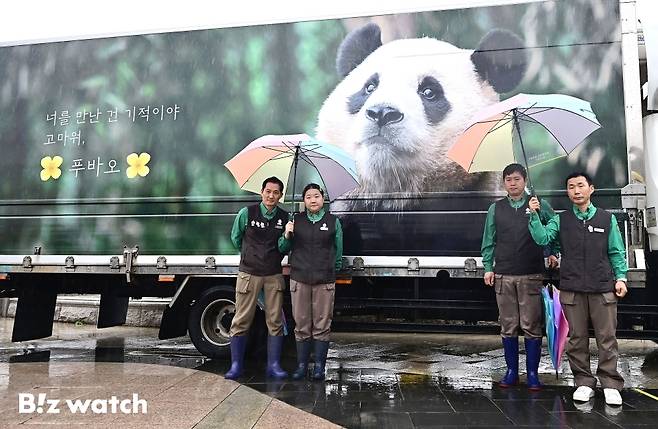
(373, 380)
(107, 395)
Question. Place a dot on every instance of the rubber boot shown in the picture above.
(238, 346)
(511, 347)
(320, 350)
(303, 352)
(274, 346)
(532, 357)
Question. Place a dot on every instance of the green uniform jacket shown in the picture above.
(489, 235)
(550, 232)
(285, 244)
(240, 225)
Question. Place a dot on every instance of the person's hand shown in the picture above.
(489, 278)
(533, 204)
(290, 229)
(621, 289)
(552, 261)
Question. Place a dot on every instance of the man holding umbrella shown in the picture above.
(592, 278)
(256, 231)
(517, 275)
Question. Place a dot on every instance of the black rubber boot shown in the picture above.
(320, 350)
(303, 353)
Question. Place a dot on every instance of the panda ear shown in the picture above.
(357, 45)
(500, 60)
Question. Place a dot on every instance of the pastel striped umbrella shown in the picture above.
(557, 326)
(549, 312)
(561, 330)
(489, 142)
(285, 156)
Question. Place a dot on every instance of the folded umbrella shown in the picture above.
(547, 300)
(561, 329)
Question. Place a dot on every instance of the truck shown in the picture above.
(113, 152)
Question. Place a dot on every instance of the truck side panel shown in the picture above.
(72, 113)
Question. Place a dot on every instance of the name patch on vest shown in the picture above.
(324, 227)
(593, 229)
(279, 224)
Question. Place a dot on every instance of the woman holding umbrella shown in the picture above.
(315, 238)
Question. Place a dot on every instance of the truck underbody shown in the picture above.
(384, 294)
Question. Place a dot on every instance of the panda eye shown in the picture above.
(428, 93)
(370, 88)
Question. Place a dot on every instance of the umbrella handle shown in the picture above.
(292, 233)
(531, 191)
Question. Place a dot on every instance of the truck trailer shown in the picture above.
(113, 152)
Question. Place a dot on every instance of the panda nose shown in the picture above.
(384, 115)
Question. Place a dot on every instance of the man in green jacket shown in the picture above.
(256, 231)
(517, 275)
(592, 278)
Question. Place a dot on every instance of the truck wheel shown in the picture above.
(210, 321)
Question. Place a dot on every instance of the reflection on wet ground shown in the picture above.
(382, 380)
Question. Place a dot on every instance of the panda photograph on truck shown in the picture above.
(114, 181)
(401, 105)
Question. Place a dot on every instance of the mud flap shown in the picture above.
(174, 320)
(113, 310)
(34, 313)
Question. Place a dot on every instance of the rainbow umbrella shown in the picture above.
(554, 124)
(286, 156)
(557, 327)
(550, 325)
(561, 330)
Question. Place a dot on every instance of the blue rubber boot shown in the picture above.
(511, 347)
(320, 350)
(274, 346)
(238, 346)
(303, 352)
(532, 357)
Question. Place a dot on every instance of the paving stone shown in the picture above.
(242, 409)
(284, 416)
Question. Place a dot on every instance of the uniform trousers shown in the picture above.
(247, 288)
(313, 309)
(519, 304)
(601, 309)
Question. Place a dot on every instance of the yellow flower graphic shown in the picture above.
(51, 167)
(138, 164)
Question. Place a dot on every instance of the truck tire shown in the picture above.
(210, 321)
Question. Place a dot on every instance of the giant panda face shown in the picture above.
(406, 101)
(401, 106)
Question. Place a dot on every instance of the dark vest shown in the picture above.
(313, 256)
(260, 254)
(585, 264)
(516, 252)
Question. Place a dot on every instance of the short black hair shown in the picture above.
(274, 180)
(515, 168)
(575, 174)
(312, 186)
